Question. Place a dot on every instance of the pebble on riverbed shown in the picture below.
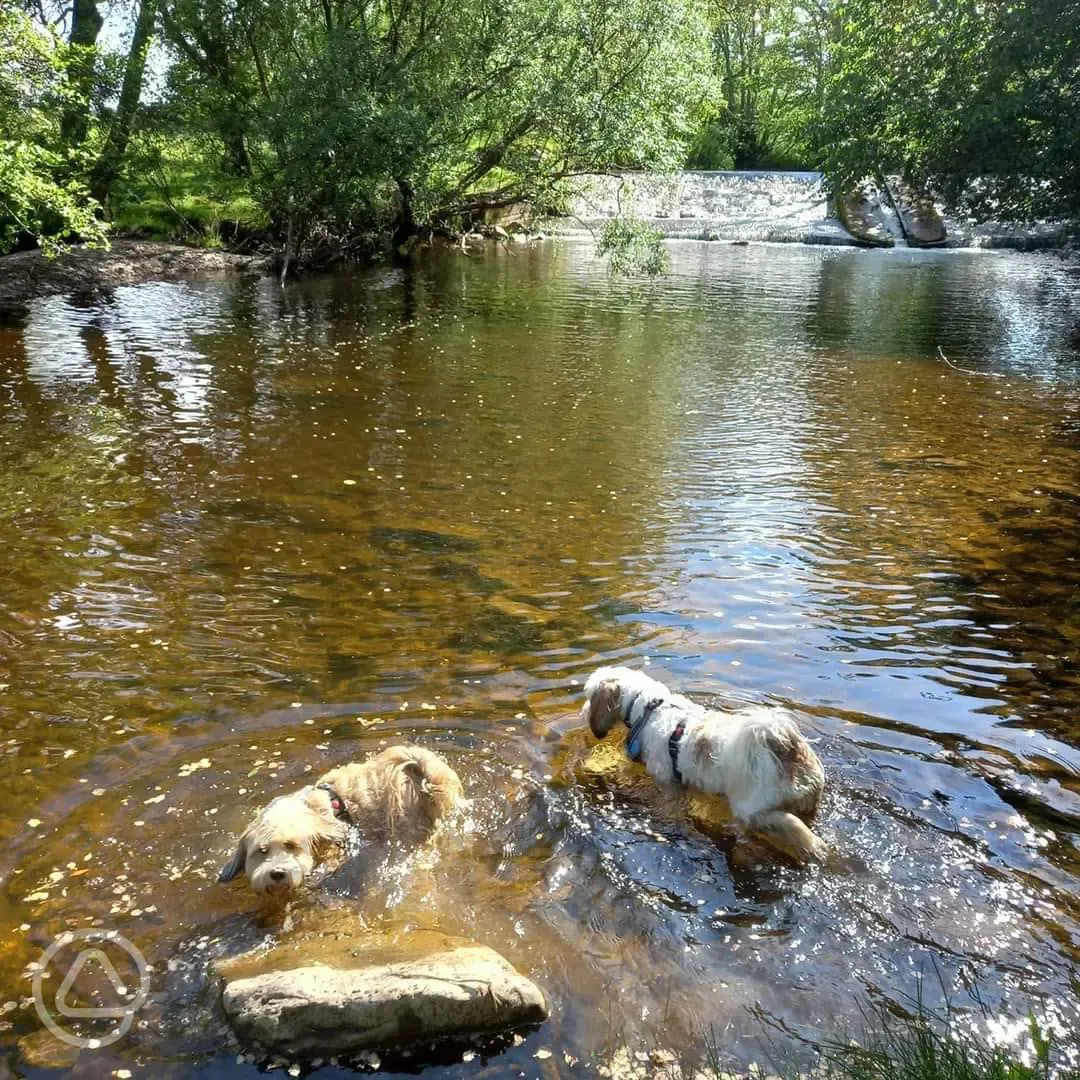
(663, 1064)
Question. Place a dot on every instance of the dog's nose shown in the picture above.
(277, 875)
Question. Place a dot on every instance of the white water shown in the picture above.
(786, 207)
(780, 206)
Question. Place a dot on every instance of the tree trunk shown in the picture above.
(86, 23)
(116, 144)
(406, 225)
(288, 249)
(230, 128)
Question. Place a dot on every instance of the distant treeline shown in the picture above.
(328, 126)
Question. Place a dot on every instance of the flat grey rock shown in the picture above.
(319, 1010)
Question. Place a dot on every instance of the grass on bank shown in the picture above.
(921, 1044)
(921, 1049)
(174, 189)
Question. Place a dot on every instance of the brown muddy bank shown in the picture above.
(26, 275)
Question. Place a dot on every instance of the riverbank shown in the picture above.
(83, 271)
(27, 275)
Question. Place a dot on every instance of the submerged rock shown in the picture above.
(319, 1010)
(43, 1050)
(662, 1064)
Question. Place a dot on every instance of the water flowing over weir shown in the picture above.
(785, 207)
(776, 207)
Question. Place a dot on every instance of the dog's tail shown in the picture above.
(423, 790)
(791, 835)
(801, 776)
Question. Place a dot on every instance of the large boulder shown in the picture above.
(865, 215)
(923, 225)
(320, 1010)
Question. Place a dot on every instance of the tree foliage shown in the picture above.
(341, 109)
(768, 68)
(632, 246)
(979, 99)
(41, 193)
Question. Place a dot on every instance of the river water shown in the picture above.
(249, 533)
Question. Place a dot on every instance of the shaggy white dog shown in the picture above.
(401, 794)
(755, 755)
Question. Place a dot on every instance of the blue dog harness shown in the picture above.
(633, 736)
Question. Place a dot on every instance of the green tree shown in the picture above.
(348, 109)
(86, 23)
(977, 99)
(111, 158)
(40, 193)
(768, 63)
(215, 78)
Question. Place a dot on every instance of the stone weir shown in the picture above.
(784, 207)
(790, 207)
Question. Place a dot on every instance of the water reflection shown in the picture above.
(425, 504)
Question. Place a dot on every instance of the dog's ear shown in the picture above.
(326, 835)
(602, 708)
(235, 866)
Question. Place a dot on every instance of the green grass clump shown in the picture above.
(174, 188)
(928, 1047)
(915, 1043)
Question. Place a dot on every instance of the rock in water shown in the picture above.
(320, 1010)
(863, 214)
(923, 225)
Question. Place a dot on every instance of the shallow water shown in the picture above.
(250, 533)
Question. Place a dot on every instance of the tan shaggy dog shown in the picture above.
(399, 795)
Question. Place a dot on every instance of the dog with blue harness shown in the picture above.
(754, 755)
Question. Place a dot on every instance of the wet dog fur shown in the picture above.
(400, 795)
(755, 756)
